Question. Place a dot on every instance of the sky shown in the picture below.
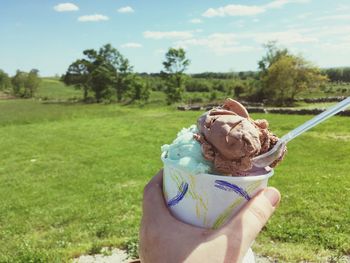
(217, 35)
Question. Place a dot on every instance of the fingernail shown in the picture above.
(272, 195)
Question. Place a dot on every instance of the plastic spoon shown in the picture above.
(269, 157)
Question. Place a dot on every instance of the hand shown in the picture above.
(163, 238)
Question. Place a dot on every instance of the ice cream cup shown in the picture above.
(209, 200)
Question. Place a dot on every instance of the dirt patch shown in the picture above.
(108, 256)
(120, 256)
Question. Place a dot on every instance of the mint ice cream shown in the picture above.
(185, 152)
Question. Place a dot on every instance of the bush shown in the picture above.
(213, 95)
(198, 85)
(139, 90)
(238, 90)
(219, 86)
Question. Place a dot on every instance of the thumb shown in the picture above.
(249, 221)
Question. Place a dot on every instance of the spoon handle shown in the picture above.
(316, 120)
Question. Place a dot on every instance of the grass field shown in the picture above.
(331, 90)
(52, 88)
(71, 180)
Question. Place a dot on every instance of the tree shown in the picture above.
(284, 75)
(31, 83)
(100, 71)
(175, 65)
(139, 89)
(78, 74)
(102, 80)
(279, 79)
(272, 55)
(25, 84)
(18, 81)
(122, 77)
(119, 67)
(5, 81)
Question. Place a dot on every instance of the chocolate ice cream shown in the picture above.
(230, 138)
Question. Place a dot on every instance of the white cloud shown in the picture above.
(338, 47)
(234, 10)
(315, 34)
(196, 21)
(167, 34)
(342, 7)
(225, 43)
(93, 18)
(126, 9)
(304, 15)
(283, 37)
(276, 4)
(346, 39)
(281, 3)
(333, 17)
(330, 32)
(220, 43)
(65, 7)
(247, 10)
(131, 45)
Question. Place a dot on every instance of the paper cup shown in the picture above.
(208, 200)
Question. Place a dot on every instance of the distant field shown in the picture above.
(52, 88)
(71, 180)
(331, 90)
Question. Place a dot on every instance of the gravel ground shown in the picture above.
(113, 256)
(120, 256)
(261, 259)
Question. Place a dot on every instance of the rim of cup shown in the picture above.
(253, 174)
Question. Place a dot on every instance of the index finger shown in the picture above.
(153, 198)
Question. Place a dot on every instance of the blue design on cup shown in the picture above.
(180, 195)
(223, 185)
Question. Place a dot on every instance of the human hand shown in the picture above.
(163, 238)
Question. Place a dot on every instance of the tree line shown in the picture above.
(341, 74)
(282, 75)
(107, 75)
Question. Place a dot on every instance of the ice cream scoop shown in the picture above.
(231, 139)
(185, 152)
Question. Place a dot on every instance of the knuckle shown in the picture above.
(259, 214)
(206, 234)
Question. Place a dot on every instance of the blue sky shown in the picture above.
(218, 36)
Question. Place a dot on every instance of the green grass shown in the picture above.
(318, 105)
(52, 88)
(71, 180)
